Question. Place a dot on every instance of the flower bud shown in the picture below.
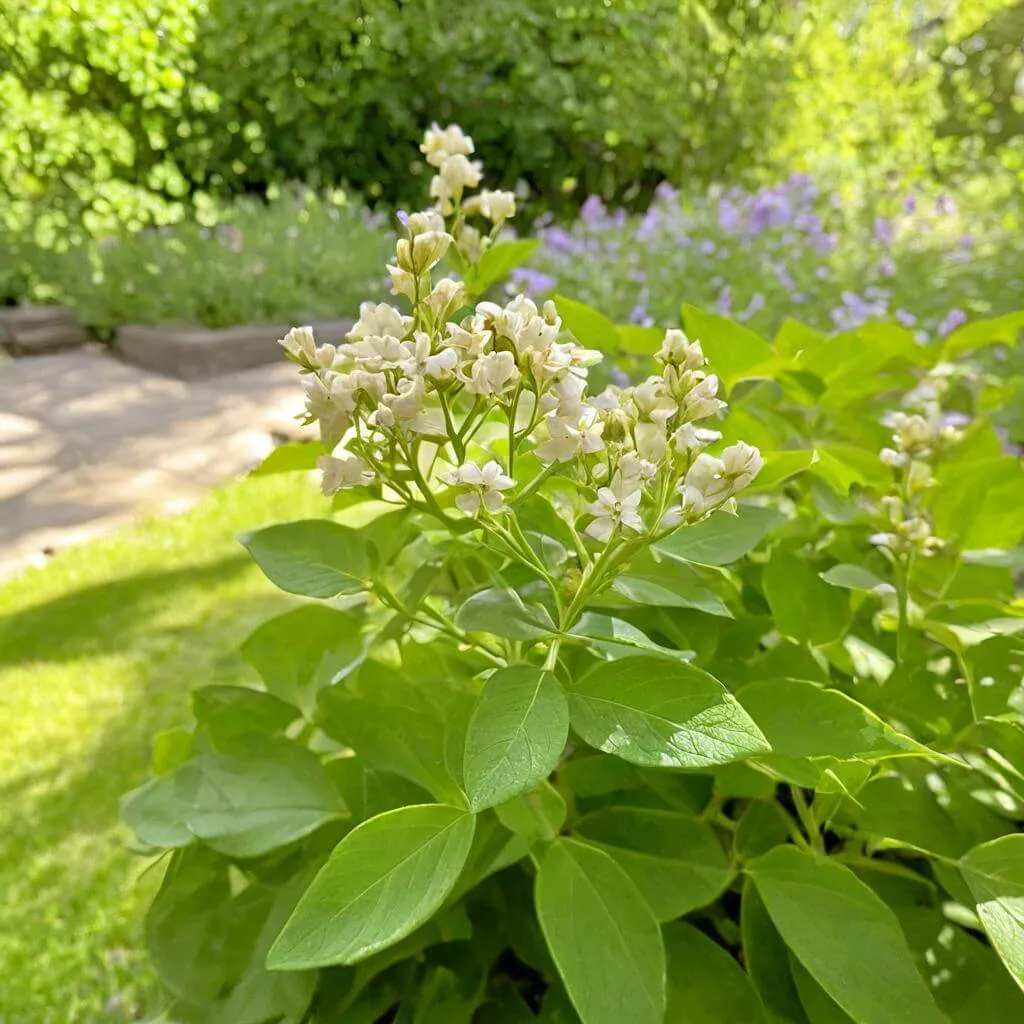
(424, 221)
(402, 282)
(423, 251)
(447, 298)
(677, 350)
(497, 207)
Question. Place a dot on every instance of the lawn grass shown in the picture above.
(98, 651)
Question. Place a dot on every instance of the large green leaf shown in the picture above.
(589, 327)
(618, 637)
(804, 606)
(602, 935)
(734, 352)
(846, 937)
(722, 539)
(658, 713)
(303, 649)
(293, 457)
(498, 262)
(503, 613)
(705, 984)
(767, 959)
(516, 735)
(383, 880)
(994, 872)
(312, 557)
(803, 719)
(264, 793)
(395, 724)
(228, 711)
(675, 859)
(537, 814)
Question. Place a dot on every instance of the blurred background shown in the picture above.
(226, 164)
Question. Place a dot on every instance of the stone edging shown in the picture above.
(189, 353)
(33, 330)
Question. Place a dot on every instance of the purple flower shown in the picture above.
(707, 247)
(945, 205)
(403, 218)
(886, 266)
(884, 231)
(666, 193)
(754, 307)
(910, 203)
(620, 377)
(729, 217)
(533, 282)
(723, 304)
(639, 315)
(952, 320)
(905, 318)
(785, 278)
(592, 210)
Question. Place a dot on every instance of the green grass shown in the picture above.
(99, 650)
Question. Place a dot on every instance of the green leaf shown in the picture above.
(1003, 329)
(818, 1005)
(994, 872)
(516, 735)
(842, 466)
(503, 613)
(383, 880)
(658, 713)
(308, 647)
(804, 606)
(589, 327)
(794, 337)
(311, 557)
(228, 711)
(723, 538)
(668, 583)
(602, 935)
(640, 341)
(619, 637)
(293, 457)
(780, 466)
(767, 959)
(845, 936)
(265, 794)
(499, 261)
(538, 814)
(705, 984)
(734, 352)
(856, 577)
(802, 719)
(395, 724)
(675, 860)
(762, 826)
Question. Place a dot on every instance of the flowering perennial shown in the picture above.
(462, 408)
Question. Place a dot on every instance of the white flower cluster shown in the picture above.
(917, 438)
(438, 404)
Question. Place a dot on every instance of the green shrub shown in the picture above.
(611, 97)
(297, 257)
(577, 721)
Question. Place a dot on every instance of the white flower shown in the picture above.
(469, 343)
(492, 373)
(378, 320)
(375, 353)
(502, 321)
(651, 442)
(486, 484)
(457, 172)
(893, 458)
(300, 344)
(652, 402)
(421, 363)
(617, 503)
(632, 467)
(423, 251)
(567, 438)
(444, 193)
(350, 471)
(447, 296)
(536, 333)
(402, 282)
(691, 439)
(441, 143)
(700, 402)
(678, 350)
(424, 221)
(400, 407)
(742, 463)
(497, 206)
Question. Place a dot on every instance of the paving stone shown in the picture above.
(87, 443)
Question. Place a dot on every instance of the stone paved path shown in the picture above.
(87, 443)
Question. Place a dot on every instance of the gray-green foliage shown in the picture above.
(509, 770)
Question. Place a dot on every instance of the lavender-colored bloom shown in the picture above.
(707, 247)
(884, 231)
(592, 210)
(639, 315)
(785, 278)
(723, 304)
(666, 192)
(886, 266)
(905, 318)
(637, 275)
(945, 205)
(403, 218)
(559, 240)
(910, 203)
(823, 273)
(729, 217)
(533, 282)
(619, 377)
(951, 321)
(798, 297)
(955, 419)
(754, 307)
